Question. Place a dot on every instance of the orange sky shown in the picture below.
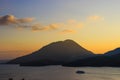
(94, 24)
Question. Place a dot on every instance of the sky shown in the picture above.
(28, 25)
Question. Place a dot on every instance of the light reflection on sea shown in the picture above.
(58, 73)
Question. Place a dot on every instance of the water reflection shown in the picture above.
(57, 73)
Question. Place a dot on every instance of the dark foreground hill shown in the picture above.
(109, 59)
(56, 53)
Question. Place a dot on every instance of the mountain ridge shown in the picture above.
(68, 53)
(113, 52)
(59, 52)
(109, 59)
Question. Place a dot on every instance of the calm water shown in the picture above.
(58, 73)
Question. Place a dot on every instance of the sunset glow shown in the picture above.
(28, 25)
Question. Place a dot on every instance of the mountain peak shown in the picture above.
(69, 40)
(66, 43)
(55, 53)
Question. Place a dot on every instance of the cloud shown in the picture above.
(21, 27)
(11, 20)
(74, 23)
(39, 27)
(54, 26)
(68, 31)
(58, 26)
(95, 18)
(25, 20)
(7, 19)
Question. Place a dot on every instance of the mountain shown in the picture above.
(113, 52)
(3, 61)
(109, 59)
(56, 53)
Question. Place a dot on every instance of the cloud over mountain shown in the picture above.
(68, 26)
(40, 27)
(68, 31)
(11, 20)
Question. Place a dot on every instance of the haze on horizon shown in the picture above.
(27, 25)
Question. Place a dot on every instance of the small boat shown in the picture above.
(80, 72)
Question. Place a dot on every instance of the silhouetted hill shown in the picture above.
(56, 53)
(3, 61)
(110, 59)
(113, 52)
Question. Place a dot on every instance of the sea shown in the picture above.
(17, 72)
